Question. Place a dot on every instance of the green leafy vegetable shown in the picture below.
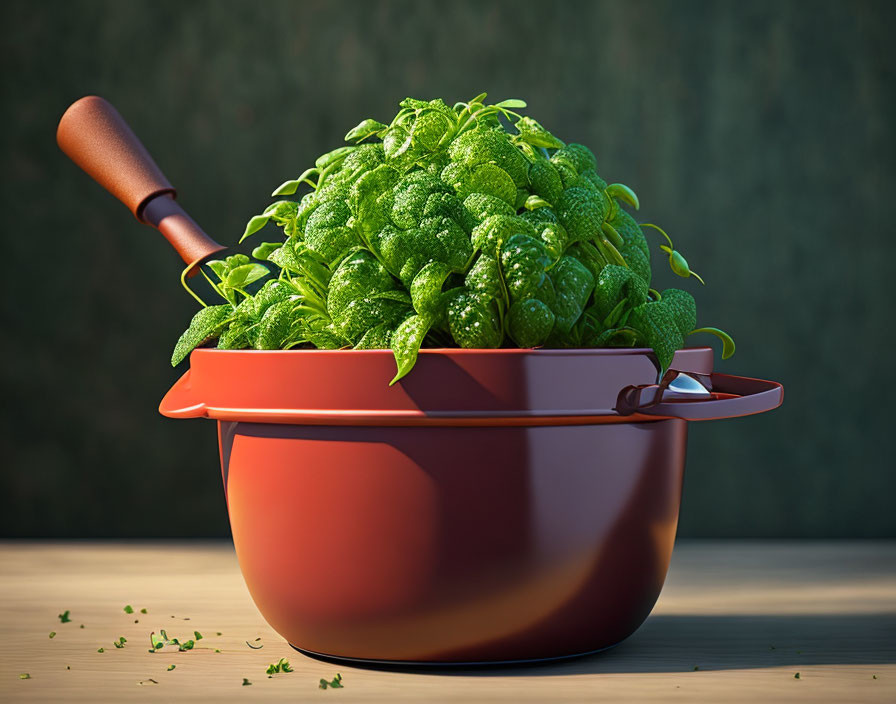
(120, 642)
(65, 618)
(335, 683)
(282, 665)
(206, 324)
(468, 225)
(52, 634)
(129, 609)
(246, 682)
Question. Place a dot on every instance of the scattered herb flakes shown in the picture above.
(120, 642)
(874, 677)
(282, 665)
(68, 667)
(64, 617)
(218, 633)
(81, 626)
(335, 683)
(255, 647)
(197, 635)
(796, 676)
(129, 609)
(101, 650)
(52, 634)
(24, 676)
(158, 642)
(246, 682)
(217, 651)
(147, 681)
(171, 667)
(143, 611)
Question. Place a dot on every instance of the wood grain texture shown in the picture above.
(748, 615)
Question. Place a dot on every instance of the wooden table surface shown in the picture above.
(748, 615)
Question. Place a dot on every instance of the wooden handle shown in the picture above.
(95, 136)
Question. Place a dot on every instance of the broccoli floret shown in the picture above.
(326, 233)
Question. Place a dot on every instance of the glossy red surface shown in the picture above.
(436, 544)
(491, 506)
(350, 387)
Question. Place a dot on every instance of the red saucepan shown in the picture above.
(494, 505)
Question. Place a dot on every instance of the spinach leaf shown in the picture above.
(204, 326)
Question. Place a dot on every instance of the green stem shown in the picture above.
(610, 252)
(183, 282)
(214, 286)
(660, 230)
(728, 346)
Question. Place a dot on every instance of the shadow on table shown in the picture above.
(681, 643)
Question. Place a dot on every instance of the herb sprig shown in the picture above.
(335, 683)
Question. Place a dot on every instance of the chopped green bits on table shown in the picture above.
(65, 618)
(171, 667)
(246, 682)
(129, 609)
(282, 665)
(451, 226)
(24, 676)
(52, 634)
(335, 683)
(120, 642)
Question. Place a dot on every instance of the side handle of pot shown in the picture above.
(728, 397)
(180, 401)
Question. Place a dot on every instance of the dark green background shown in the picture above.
(759, 134)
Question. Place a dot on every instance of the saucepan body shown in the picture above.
(491, 507)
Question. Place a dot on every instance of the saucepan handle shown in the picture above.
(96, 138)
(728, 397)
